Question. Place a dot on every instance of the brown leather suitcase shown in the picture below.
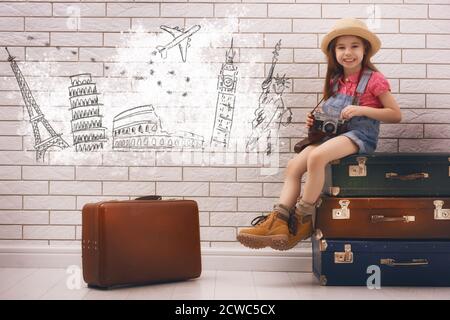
(140, 241)
(384, 218)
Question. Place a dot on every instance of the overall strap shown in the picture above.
(362, 84)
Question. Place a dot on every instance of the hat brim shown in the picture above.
(352, 31)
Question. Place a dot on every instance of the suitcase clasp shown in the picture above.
(439, 213)
(344, 257)
(343, 212)
(359, 170)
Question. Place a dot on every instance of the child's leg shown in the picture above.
(335, 148)
(296, 167)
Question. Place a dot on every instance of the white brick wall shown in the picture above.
(40, 202)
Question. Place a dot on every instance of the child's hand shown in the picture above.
(351, 111)
(309, 120)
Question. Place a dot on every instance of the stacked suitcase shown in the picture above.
(385, 213)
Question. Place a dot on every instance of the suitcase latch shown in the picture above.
(344, 257)
(359, 170)
(439, 213)
(343, 212)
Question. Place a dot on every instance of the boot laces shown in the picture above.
(259, 219)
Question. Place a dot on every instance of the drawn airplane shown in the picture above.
(181, 38)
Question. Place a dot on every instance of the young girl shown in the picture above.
(355, 91)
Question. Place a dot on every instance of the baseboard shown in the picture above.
(296, 260)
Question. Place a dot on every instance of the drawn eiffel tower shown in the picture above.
(36, 116)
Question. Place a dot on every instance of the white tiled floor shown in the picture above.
(21, 283)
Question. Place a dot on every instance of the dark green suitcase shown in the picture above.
(390, 174)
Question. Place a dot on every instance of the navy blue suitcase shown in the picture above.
(338, 262)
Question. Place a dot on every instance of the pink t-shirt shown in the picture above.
(377, 85)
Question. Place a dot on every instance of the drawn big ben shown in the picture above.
(226, 87)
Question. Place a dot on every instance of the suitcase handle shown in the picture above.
(380, 218)
(414, 262)
(407, 177)
(155, 197)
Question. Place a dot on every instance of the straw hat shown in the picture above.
(351, 27)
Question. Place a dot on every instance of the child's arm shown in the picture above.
(390, 113)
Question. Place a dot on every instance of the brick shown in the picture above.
(217, 233)
(49, 202)
(215, 203)
(425, 26)
(75, 188)
(11, 143)
(186, 10)
(60, 69)
(439, 11)
(438, 71)
(80, 39)
(425, 115)
(48, 24)
(25, 9)
(75, 158)
(403, 70)
(24, 187)
(255, 175)
(308, 85)
(240, 10)
(402, 41)
(256, 204)
(294, 10)
(10, 232)
(52, 54)
(12, 24)
(437, 100)
(410, 100)
(424, 145)
(219, 25)
(236, 189)
(437, 131)
(24, 38)
(272, 189)
(11, 202)
(175, 158)
(401, 130)
(79, 9)
(10, 173)
(104, 24)
(425, 56)
(265, 55)
(182, 189)
(154, 24)
(23, 217)
(424, 86)
(294, 40)
(65, 217)
(309, 56)
(155, 174)
(438, 41)
(245, 40)
(388, 56)
(48, 173)
(67, 243)
(204, 218)
(265, 25)
(49, 232)
(209, 174)
(232, 219)
(129, 188)
(362, 11)
(133, 9)
(101, 173)
(297, 70)
(28, 243)
(387, 145)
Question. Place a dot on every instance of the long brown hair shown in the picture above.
(335, 70)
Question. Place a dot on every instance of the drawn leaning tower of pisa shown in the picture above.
(87, 130)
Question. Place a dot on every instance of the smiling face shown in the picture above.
(349, 53)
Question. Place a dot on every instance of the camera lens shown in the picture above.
(329, 127)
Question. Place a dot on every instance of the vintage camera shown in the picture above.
(329, 125)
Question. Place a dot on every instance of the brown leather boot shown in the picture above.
(270, 230)
(300, 224)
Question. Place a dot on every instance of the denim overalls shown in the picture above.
(361, 130)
